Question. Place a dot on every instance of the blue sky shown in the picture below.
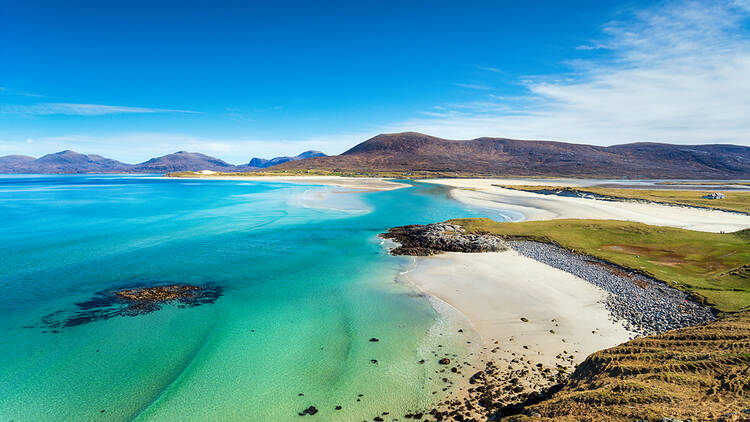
(132, 80)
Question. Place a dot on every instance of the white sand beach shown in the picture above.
(495, 290)
(361, 183)
(533, 206)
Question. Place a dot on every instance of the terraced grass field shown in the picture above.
(713, 267)
(696, 373)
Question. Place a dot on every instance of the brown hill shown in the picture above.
(416, 152)
(696, 373)
(184, 161)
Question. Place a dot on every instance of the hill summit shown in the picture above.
(416, 152)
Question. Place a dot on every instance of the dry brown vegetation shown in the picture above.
(698, 373)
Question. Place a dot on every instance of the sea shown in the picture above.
(301, 283)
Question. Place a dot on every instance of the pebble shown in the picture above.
(645, 311)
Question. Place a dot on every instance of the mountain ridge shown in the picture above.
(416, 152)
(68, 161)
(264, 163)
(410, 152)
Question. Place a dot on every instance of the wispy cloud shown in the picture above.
(675, 73)
(490, 69)
(474, 86)
(15, 92)
(75, 109)
(589, 47)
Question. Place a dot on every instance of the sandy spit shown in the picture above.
(363, 183)
(533, 206)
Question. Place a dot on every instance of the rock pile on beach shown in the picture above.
(494, 388)
(431, 239)
(647, 306)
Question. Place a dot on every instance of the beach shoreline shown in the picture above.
(534, 323)
(359, 183)
(536, 207)
(517, 301)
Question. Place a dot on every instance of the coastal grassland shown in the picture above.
(735, 201)
(713, 267)
(697, 373)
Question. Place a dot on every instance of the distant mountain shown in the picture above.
(60, 162)
(184, 161)
(415, 152)
(18, 162)
(410, 152)
(73, 162)
(264, 163)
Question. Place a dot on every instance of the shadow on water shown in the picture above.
(132, 300)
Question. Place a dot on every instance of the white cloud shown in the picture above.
(675, 73)
(43, 109)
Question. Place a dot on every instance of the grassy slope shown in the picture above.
(735, 200)
(714, 266)
(700, 372)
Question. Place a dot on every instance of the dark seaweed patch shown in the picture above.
(130, 302)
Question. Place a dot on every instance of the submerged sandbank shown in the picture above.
(534, 207)
(363, 183)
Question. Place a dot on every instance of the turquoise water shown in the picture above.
(306, 283)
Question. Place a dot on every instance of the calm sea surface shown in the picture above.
(305, 284)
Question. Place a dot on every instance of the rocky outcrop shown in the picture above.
(130, 302)
(431, 239)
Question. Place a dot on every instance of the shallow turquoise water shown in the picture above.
(306, 284)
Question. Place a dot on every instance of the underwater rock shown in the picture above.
(132, 301)
(309, 411)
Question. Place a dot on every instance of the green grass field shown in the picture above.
(734, 201)
(715, 267)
